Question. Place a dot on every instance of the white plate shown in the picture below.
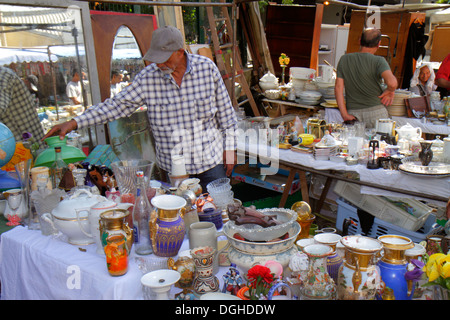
(327, 105)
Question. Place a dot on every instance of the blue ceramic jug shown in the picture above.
(393, 265)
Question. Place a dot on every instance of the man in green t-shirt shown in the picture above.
(360, 74)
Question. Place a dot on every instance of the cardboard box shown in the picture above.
(276, 182)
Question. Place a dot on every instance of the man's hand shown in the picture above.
(229, 160)
(61, 129)
(387, 97)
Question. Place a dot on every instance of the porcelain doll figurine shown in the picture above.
(232, 281)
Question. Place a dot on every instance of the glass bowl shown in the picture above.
(254, 232)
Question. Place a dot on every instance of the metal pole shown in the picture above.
(233, 67)
(157, 3)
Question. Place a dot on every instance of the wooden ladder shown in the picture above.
(223, 53)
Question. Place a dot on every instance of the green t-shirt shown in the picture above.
(362, 79)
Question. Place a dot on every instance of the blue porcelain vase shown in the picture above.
(334, 261)
(167, 228)
(393, 265)
(393, 276)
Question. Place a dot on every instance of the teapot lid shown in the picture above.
(268, 77)
(81, 199)
(407, 125)
(103, 204)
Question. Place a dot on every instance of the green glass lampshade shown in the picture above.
(70, 154)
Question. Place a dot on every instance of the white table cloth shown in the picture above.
(34, 266)
(426, 127)
(333, 115)
(37, 267)
(389, 178)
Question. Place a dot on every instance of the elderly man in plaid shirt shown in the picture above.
(188, 107)
(17, 107)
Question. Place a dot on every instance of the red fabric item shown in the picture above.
(444, 70)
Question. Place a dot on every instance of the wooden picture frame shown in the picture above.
(417, 107)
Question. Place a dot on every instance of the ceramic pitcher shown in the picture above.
(167, 227)
(93, 213)
(393, 265)
(359, 277)
(113, 222)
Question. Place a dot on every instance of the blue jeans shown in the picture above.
(212, 174)
(206, 177)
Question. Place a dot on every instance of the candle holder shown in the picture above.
(374, 146)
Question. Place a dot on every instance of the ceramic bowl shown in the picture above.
(268, 85)
(244, 261)
(212, 215)
(254, 232)
(272, 94)
(262, 248)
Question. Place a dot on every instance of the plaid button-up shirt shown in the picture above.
(196, 119)
(17, 107)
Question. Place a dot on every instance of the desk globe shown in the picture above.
(7, 149)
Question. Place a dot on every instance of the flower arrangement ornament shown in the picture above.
(437, 269)
(284, 61)
(260, 281)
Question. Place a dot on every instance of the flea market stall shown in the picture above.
(109, 225)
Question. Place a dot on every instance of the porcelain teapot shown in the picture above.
(409, 132)
(65, 217)
(93, 212)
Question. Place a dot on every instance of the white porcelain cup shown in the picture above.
(203, 234)
(447, 149)
(326, 73)
(178, 166)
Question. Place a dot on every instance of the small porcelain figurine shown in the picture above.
(233, 281)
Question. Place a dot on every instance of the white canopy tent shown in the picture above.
(12, 55)
(442, 16)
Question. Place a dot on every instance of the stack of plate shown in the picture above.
(310, 98)
(325, 152)
(329, 103)
(298, 84)
(326, 89)
(398, 107)
(300, 77)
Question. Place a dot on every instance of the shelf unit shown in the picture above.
(295, 31)
(336, 38)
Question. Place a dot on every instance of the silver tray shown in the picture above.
(426, 175)
(412, 165)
